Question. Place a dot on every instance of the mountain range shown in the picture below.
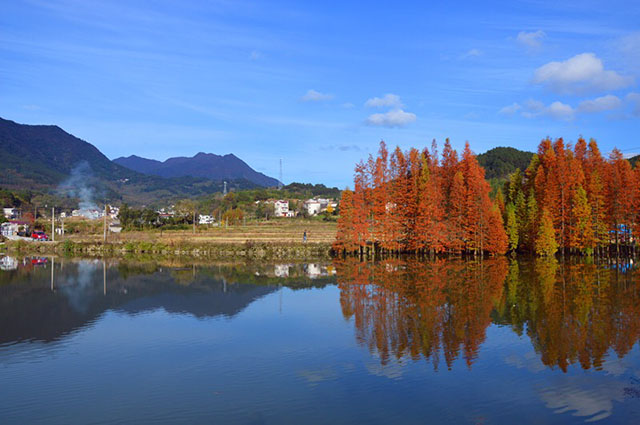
(46, 158)
(206, 165)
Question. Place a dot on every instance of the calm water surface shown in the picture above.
(393, 342)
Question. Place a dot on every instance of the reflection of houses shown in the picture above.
(8, 263)
(281, 209)
(314, 271)
(316, 206)
(281, 270)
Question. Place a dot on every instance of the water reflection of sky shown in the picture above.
(285, 354)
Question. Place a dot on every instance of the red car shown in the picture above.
(39, 235)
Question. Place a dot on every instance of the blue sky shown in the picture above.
(319, 84)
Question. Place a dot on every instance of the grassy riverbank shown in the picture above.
(276, 239)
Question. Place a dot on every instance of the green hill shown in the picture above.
(47, 159)
(502, 161)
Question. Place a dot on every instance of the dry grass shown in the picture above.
(276, 231)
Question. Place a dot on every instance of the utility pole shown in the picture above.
(53, 224)
(194, 221)
(104, 224)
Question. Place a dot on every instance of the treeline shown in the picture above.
(574, 201)
(568, 199)
(419, 202)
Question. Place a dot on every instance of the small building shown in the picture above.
(90, 213)
(113, 212)
(313, 206)
(316, 206)
(206, 219)
(13, 227)
(281, 209)
(10, 213)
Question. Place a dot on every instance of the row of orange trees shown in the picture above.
(416, 201)
(419, 201)
(573, 200)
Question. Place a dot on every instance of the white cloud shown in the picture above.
(600, 104)
(394, 118)
(510, 110)
(532, 40)
(392, 100)
(579, 74)
(315, 96)
(562, 111)
(557, 110)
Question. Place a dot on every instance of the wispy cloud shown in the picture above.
(473, 53)
(634, 100)
(343, 148)
(394, 118)
(315, 96)
(388, 100)
(629, 48)
(580, 74)
(564, 112)
(531, 40)
(600, 104)
(534, 108)
(510, 109)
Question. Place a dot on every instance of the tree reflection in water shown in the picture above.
(572, 312)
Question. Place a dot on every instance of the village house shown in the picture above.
(316, 206)
(281, 209)
(91, 214)
(13, 227)
(206, 219)
(113, 212)
(11, 213)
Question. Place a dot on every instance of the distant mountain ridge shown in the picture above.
(204, 165)
(45, 157)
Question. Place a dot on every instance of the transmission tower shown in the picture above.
(280, 179)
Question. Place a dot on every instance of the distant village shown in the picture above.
(19, 223)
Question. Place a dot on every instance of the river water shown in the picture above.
(492, 342)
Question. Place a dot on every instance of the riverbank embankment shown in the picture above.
(183, 248)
